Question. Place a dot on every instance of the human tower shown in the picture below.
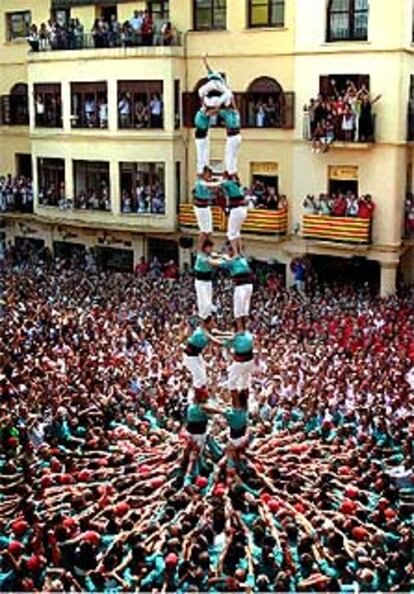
(217, 100)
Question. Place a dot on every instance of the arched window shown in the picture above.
(14, 108)
(264, 103)
(347, 20)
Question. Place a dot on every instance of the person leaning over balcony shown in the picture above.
(33, 39)
(366, 122)
(231, 117)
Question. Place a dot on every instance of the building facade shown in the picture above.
(97, 116)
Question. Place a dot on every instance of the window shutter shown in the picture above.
(5, 113)
(240, 99)
(288, 110)
(190, 106)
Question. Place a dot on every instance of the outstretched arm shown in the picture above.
(207, 65)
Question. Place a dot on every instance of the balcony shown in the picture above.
(258, 222)
(337, 229)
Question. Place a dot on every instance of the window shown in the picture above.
(142, 188)
(177, 115)
(18, 24)
(209, 14)
(140, 104)
(51, 181)
(89, 105)
(159, 9)
(91, 185)
(48, 105)
(264, 103)
(347, 20)
(266, 13)
(14, 109)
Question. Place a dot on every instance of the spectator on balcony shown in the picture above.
(147, 29)
(260, 115)
(126, 203)
(141, 115)
(43, 37)
(309, 205)
(33, 38)
(124, 110)
(100, 33)
(136, 21)
(339, 206)
(127, 35)
(167, 34)
(79, 33)
(366, 207)
(103, 113)
(40, 110)
(156, 111)
(158, 202)
(114, 31)
(89, 110)
(366, 127)
(352, 205)
(348, 124)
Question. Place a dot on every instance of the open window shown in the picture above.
(89, 105)
(48, 105)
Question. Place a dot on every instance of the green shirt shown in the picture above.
(238, 266)
(198, 339)
(202, 191)
(202, 263)
(236, 418)
(231, 118)
(196, 414)
(202, 120)
(243, 343)
(232, 189)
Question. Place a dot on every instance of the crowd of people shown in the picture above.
(16, 194)
(139, 30)
(96, 492)
(340, 205)
(344, 114)
(144, 198)
(140, 113)
(265, 196)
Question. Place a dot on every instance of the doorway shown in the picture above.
(164, 250)
(107, 12)
(24, 164)
(343, 186)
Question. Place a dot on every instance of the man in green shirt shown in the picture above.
(193, 359)
(242, 277)
(238, 210)
(203, 197)
(202, 123)
(231, 117)
(240, 370)
(203, 272)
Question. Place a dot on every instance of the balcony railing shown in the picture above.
(266, 222)
(70, 41)
(341, 229)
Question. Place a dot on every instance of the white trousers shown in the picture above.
(236, 219)
(204, 219)
(231, 151)
(204, 293)
(197, 368)
(241, 300)
(203, 153)
(239, 375)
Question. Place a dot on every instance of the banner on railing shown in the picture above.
(344, 229)
(257, 221)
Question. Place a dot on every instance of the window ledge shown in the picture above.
(207, 31)
(265, 28)
(346, 42)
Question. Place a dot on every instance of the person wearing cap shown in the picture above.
(203, 198)
(204, 266)
(242, 277)
(237, 210)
